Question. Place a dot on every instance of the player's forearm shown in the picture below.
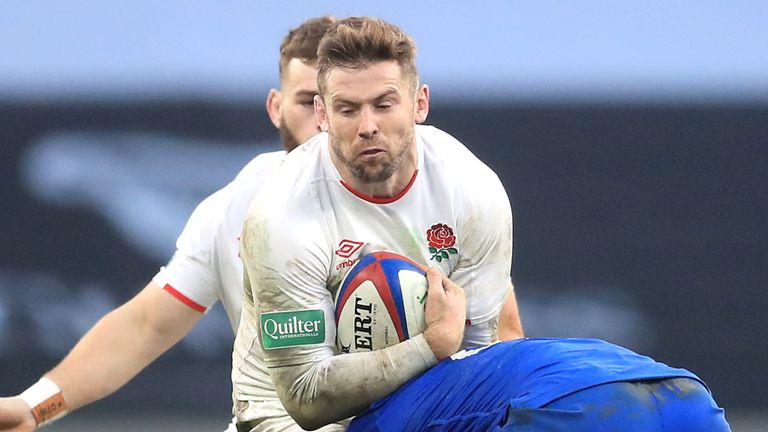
(103, 360)
(117, 348)
(316, 394)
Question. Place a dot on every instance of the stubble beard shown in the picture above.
(287, 137)
(380, 170)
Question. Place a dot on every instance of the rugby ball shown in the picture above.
(380, 303)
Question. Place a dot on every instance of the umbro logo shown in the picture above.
(347, 248)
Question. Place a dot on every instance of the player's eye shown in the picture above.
(347, 110)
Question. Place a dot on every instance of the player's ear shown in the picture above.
(274, 101)
(422, 103)
(320, 114)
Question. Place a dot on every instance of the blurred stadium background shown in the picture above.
(631, 137)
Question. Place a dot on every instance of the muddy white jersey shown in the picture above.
(307, 228)
(206, 267)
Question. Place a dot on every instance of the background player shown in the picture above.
(205, 268)
(374, 180)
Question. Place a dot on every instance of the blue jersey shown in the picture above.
(525, 373)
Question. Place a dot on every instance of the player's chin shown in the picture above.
(374, 173)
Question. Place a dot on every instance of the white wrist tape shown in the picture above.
(45, 400)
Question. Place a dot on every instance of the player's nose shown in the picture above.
(367, 127)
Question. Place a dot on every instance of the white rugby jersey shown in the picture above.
(307, 228)
(206, 266)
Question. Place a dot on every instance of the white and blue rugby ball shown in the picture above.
(380, 303)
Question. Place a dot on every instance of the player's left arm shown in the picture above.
(485, 261)
(510, 325)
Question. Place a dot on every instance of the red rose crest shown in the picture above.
(441, 240)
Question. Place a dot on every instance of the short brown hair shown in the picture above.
(355, 42)
(302, 41)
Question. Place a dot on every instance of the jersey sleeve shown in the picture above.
(485, 261)
(287, 260)
(191, 274)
